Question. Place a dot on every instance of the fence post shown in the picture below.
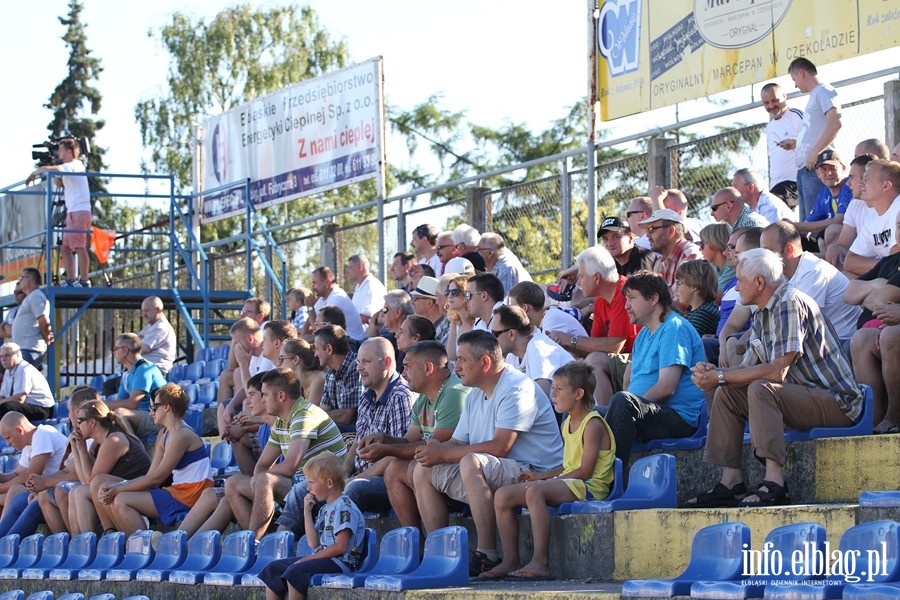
(328, 248)
(402, 240)
(479, 209)
(656, 162)
(892, 112)
(565, 191)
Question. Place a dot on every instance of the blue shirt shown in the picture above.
(144, 376)
(675, 342)
(334, 518)
(827, 207)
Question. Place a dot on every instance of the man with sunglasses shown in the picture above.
(485, 294)
(140, 380)
(665, 228)
(728, 205)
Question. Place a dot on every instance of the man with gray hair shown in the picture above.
(369, 291)
(24, 389)
(795, 375)
(500, 261)
(612, 335)
(758, 198)
(466, 238)
(446, 249)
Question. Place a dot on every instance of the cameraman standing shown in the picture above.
(78, 211)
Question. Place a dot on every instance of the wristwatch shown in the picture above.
(722, 382)
(574, 340)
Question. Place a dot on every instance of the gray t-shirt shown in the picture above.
(520, 405)
(25, 331)
(822, 98)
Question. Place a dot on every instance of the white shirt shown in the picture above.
(368, 298)
(339, 298)
(773, 208)
(819, 280)
(160, 338)
(485, 325)
(556, 319)
(781, 162)
(258, 364)
(643, 242)
(75, 189)
(435, 263)
(46, 440)
(542, 357)
(875, 233)
(25, 379)
(856, 212)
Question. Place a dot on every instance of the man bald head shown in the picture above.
(873, 146)
(151, 309)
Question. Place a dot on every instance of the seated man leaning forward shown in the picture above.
(794, 375)
(507, 427)
(659, 401)
(140, 380)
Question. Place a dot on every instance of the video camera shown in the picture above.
(48, 157)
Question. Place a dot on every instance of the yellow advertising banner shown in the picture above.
(654, 53)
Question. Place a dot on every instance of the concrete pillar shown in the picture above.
(328, 247)
(892, 112)
(657, 168)
(478, 208)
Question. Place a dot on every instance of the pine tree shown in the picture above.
(75, 101)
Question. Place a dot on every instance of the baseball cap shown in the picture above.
(663, 214)
(828, 157)
(612, 224)
(459, 265)
(427, 288)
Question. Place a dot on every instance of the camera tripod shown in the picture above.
(57, 223)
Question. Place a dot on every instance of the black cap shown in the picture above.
(612, 224)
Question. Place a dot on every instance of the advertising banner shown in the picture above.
(657, 53)
(22, 216)
(310, 137)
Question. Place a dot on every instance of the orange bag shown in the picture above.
(102, 241)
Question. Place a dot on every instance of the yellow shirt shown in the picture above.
(600, 481)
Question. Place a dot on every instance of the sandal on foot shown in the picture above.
(773, 495)
(719, 497)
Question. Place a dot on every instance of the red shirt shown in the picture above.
(611, 320)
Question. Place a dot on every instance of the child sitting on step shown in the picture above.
(337, 533)
(589, 456)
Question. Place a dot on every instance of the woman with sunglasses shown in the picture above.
(179, 455)
(461, 320)
(298, 356)
(114, 456)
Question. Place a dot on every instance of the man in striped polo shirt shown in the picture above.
(301, 431)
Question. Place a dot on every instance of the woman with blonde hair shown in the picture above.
(114, 456)
(298, 356)
(713, 240)
(179, 454)
(461, 320)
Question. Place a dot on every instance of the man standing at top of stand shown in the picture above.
(78, 211)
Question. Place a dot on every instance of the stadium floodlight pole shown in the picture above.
(380, 183)
(593, 13)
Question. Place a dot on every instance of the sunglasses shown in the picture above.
(81, 420)
(714, 207)
(469, 295)
(454, 292)
(500, 332)
(154, 406)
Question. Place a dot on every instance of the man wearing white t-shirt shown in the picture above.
(773, 208)
(24, 389)
(785, 124)
(424, 244)
(856, 213)
(330, 294)
(42, 449)
(158, 340)
(485, 294)
(78, 211)
(247, 346)
(530, 297)
(526, 348)
(368, 297)
(880, 191)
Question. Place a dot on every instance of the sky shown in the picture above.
(499, 60)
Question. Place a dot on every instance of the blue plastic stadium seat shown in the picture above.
(54, 552)
(64, 427)
(716, 553)
(221, 457)
(398, 555)
(237, 554)
(9, 550)
(193, 391)
(82, 551)
(103, 597)
(370, 543)
(272, 547)
(858, 540)
(222, 351)
(445, 564)
(616, 492)
(203, 551)
(195, 370)
(62, 411)
(692, 442)
(110, 552)
(138, 554)
(886, 499)
(193, 418)
(171, 550)
(651, 485)
(29, 554)
(176, 373)
(208, 394)
(884, 591)
(97, 382)
(214, 368)
(863, 427)
(72, 596)
(139, 597)
(42, 595)
(205, 354)
(784, 541)
(13, 595)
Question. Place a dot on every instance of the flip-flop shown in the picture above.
(492, 574)
(529, 575)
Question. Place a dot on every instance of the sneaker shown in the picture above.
(68, 283)
(84, 283)
(479, 563)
